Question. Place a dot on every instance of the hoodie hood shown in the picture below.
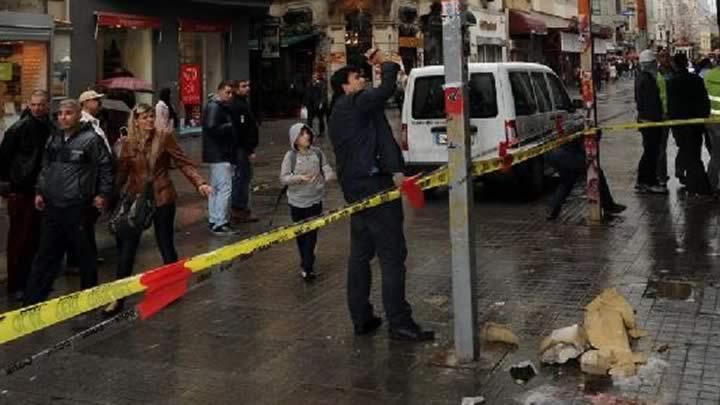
(295, 131)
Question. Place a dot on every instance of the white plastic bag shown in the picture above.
(303, 113)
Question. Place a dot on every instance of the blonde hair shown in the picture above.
(135, 136)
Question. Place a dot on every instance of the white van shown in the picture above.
(518, 103)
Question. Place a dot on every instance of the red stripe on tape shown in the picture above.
(413, 192)
(164, 285)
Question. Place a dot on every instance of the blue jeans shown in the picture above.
(241, 181)
(219, 202)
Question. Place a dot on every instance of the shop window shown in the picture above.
(489, 53)
(522, 94)
(58, 9)
(24, 6)
(206, 51)
(61, 63)
(126, 52)
(358, 39)
(23, 69)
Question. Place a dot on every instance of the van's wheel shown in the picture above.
(531, 176)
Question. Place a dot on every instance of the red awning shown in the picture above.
(105, 19)
(203, 26)
(522, 23)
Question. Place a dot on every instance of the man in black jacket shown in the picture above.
(369, 160)
(246, 139)
(76, 174)
(220, 151)
(688, 98)
(316, 102)
(649, 107)
(20, 161)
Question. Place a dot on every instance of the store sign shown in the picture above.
(410, 42)
(118, 20)
(271, 41)
(202, 26)
(190, 84)
(572, 43)
(6, 70)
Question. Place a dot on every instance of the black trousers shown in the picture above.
(306, 243)
(164, 225)
(91, 218)
(63, 229)
(320, 115)
(647, 168)
(378, 231)
(690, 139)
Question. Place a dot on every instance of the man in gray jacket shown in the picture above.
(76, 175)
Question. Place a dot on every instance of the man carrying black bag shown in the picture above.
(76, 174)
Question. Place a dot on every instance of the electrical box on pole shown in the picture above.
(462, 235)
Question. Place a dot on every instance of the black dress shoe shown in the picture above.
(369, 326)
(411, 334)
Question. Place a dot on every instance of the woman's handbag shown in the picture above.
(134, 212)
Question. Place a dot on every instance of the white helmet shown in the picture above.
(647, 56)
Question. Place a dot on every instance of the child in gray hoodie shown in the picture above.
(304, 171)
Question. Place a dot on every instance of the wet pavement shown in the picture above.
(256, 334)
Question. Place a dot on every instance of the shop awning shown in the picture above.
(25, 26)
(522, 23)
(118, 20)
(187, 25)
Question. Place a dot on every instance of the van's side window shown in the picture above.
(429, 97)
(542, 94)
(483, 97)
(522, 93)
(559, 95)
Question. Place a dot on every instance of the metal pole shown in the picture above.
(588, 94)
(462, 235)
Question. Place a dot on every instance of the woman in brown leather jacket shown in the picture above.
(132, 168)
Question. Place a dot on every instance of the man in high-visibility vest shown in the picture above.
(712, 84)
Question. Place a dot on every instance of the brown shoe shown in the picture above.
(244, 216)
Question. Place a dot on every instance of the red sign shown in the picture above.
(190, 84)
(453, 101)
(202, 26)
(118, 20)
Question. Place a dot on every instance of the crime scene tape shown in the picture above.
(167, 283)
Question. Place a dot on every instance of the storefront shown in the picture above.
(25, 54)
(527, 33)
(202, 65)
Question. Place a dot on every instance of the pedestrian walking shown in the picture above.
(220, 152)
(687, 98)
(664, 74)
(369, 160)
(76, 174)
(246, 130)
(147, 155)
(21, 153)
(650, 109)
(304, 172)
(712, 84)
(316, 102)
(165, 114)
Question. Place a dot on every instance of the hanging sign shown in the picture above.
(271, 41)
(190, 84)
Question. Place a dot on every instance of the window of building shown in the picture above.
(59, 9)
(489, 53)
(23, 69)
(24, 6)
(596, 7)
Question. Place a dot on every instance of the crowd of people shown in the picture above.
(666, 89)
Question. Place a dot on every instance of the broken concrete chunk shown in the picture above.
(595, 363)
(472, 400)
(563, 344)
(492, 332)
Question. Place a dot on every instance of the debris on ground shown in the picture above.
(495, 333)
(563, 344)
(437, 300)
(610, 323)
(472, 400)
(547, 395)
(523, 372)
(605, 399)
(649, 374)
(663, 348)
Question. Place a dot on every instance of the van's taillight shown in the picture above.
(404, 137)
(511, 132)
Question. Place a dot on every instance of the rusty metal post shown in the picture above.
(462, 235)
(588, 95)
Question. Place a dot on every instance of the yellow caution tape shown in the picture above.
(668, 123)
(21, 322)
